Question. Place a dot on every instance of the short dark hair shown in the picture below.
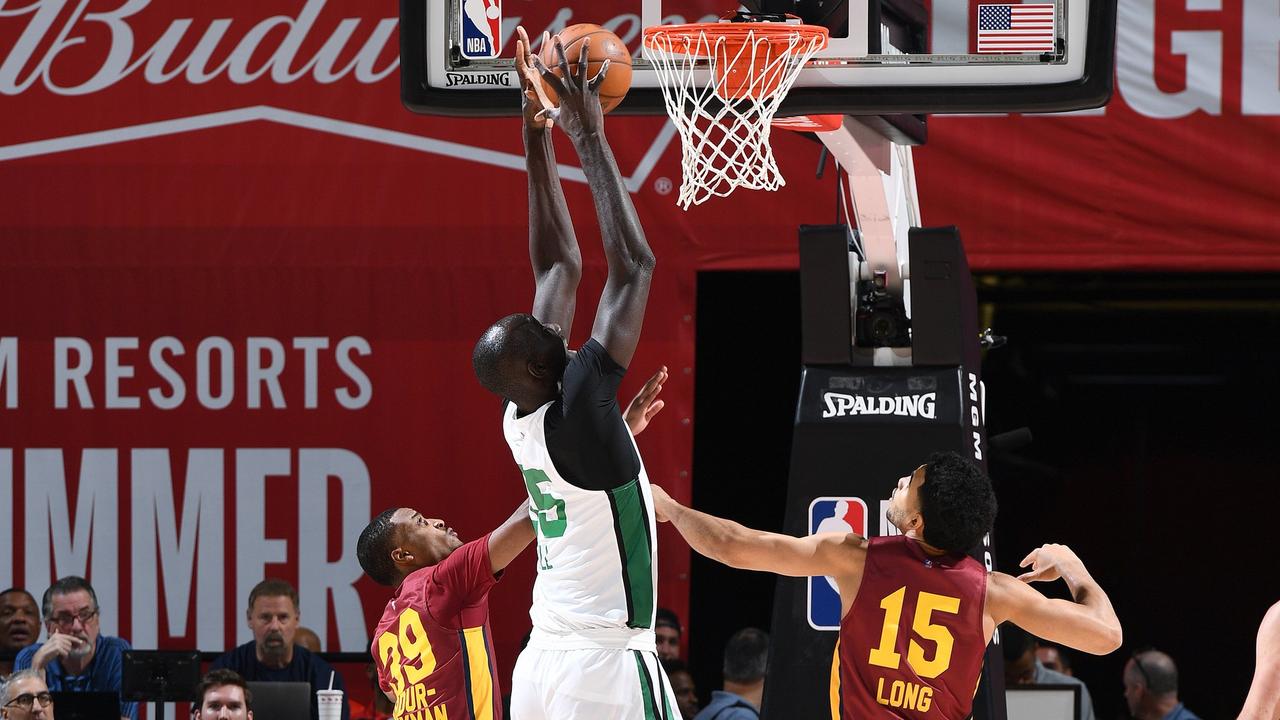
(667, 618)
(24, 591)
(218, 678)
(66, 586)
(1014, 641)
(957, 503)
(746, 656)
(673, 666)
(373, 549)
(273, 587)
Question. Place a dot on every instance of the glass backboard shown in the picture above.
(885, 56)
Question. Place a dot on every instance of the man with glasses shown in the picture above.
(76, 657)
(223, 695)
(26, 697)
(1151, 688)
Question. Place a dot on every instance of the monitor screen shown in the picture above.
(1043, 702)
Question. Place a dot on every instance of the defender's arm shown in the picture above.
(1089, 623)
(511, 538)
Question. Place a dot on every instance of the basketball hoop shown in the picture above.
(722, 83)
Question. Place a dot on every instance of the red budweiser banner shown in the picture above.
(240, 284)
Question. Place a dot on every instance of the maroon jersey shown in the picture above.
(911, 646)
(433, 646)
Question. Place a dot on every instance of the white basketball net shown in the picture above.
(722, 99)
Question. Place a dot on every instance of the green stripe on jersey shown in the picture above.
(646, 688)
(631, 516)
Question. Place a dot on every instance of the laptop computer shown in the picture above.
(277, 700)
(86, 705)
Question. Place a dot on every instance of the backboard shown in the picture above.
(885, 56)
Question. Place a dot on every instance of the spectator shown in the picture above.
(682, 687)
(1023, 667)
(380, 707)
(1151, 688)
(1263, 702)
(307, 638)
(76, 658)
(19, 625)
(667, 630)
(271, 656)
(1054, 658)
(746, 656)
(222, 695)
(26, 697)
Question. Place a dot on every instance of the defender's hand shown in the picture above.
(579, 114)
(532, 99)
(1050, 562)
(645, 405)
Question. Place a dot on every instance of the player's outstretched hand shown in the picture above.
(662, 503)
(579, 114)
(646, 403)
(533, 100)
(1050, 562)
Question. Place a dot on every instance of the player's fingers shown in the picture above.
(583, 56)
(1030, 558)
(563, 61)
(594, 85)
(654, 409)
(549, 78)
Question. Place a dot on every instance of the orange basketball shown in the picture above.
(604, 45)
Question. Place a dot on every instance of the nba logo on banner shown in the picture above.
(481, 29)
(832, 514)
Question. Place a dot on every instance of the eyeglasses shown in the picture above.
(26, 701)
(1137, 663)
(69, 619)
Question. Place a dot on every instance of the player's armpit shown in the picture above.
(1083, 625)
(511, 538)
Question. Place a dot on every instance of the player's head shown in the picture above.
(401, 540)
(521, 359)
(948, 502)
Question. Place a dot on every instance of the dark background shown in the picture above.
(1152, 401)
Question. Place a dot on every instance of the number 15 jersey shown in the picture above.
(911, 645)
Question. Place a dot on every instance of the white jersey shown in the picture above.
(597, 559)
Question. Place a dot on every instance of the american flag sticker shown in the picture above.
(1016, 28)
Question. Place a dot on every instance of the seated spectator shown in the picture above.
(19, 625)
(271, 656)
(1263, 702)
(1054, 658)
(76, 658)
(307, 638)
(667, 631)
(682, 687)
(222, 695)
(1151, 688)
(1023, 667)
(746, 656)
(26, 697)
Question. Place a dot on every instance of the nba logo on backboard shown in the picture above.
(481, 29)
(831, 514)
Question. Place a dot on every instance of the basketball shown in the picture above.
(604, 46)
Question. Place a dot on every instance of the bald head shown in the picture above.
(520, 359)
(1156, 671)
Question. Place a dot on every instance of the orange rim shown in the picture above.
(736, 32)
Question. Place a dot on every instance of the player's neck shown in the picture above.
(929, 549)
(751, 692)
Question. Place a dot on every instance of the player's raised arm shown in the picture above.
(553, 247)
(1088, 623)
(621, 311)
(735, 545)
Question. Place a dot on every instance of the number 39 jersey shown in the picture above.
(596, 555)
(433, 647)
(912, 644)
